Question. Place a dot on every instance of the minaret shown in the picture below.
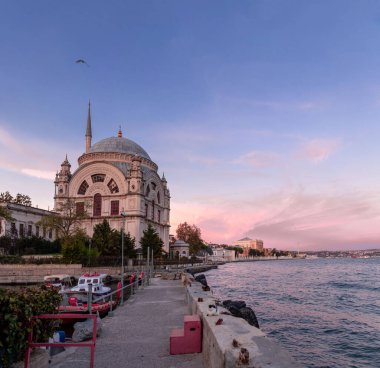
(88, 130)
(62, 180)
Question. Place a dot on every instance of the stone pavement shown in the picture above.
(138, 333)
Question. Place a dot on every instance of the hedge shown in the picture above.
(17, 306)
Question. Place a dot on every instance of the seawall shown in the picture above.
(31, 273)
(217, 344)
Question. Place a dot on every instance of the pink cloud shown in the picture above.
(27, 156)
(259, 159)
(318, 150)
(293, 220)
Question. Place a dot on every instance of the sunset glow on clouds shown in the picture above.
(264, 116)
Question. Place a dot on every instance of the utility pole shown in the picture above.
(123, 215)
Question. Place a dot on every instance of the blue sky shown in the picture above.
(262, 114)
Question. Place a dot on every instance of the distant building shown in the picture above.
(24, 222)
(221, 254)
(247, 243)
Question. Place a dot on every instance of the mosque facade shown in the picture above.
(115, 180)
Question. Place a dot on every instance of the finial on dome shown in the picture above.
(120, 133)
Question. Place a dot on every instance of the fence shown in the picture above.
(32, 344)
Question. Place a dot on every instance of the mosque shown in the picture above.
(115, 180)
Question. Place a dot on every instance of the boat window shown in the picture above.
(95, 281)
(81, 281)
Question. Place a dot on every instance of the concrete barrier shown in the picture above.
(233, 343)
(32, 273)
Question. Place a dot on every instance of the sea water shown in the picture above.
(325, 312)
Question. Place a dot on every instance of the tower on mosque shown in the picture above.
(115, 176)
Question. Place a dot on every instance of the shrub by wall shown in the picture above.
(17, 306)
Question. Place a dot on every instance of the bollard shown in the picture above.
(110, 313)
(89, 298)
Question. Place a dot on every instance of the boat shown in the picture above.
(77, 303)
(60, 282)
(97, 282)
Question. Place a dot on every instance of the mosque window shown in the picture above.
(114, 208)
(21, 232)
(98, 178)
(79, 210)
(97, 205)
(112, 186)
(83, 187)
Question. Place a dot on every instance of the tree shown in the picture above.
(74, 247)
(129, 246)
(255, 253)
(66, 221)
(151, 239)
(6, 197)
(191, 235)
(237, 250)
(19, 199)
(22, 199)
(106, 240)
(5, 214)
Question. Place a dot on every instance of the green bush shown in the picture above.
(17, 306)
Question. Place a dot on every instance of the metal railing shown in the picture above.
(90, 344)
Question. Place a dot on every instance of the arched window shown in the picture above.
(158, 198)
(152, 210)
(147, 191)
(83, 187)
(97, 205)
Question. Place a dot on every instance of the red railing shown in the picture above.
(91, 344)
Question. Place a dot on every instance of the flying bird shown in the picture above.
(81, 61)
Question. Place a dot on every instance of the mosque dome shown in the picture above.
(120, 145)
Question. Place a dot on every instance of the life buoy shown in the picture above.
(118, 290)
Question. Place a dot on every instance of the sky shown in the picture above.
(263, 114)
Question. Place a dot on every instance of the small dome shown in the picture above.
(121, 145)
(180, 243)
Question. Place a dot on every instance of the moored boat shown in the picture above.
(97, 282)
(60, 282)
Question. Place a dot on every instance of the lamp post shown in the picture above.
(123, 215)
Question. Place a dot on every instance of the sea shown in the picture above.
(325, 312)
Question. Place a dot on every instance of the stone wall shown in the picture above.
(30, 274)
(217, 340)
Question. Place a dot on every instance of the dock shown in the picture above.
(138, 333)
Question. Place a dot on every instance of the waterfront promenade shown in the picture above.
(138, 333)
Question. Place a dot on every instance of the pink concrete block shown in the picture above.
(193, 334)
(177, 338)
(187, 340)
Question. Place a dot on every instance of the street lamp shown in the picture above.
(123, 215)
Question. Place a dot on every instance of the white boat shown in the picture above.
(97, 282)
(60, 282)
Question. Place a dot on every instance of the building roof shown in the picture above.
(120, 145)
(244, 239)
(179, 243)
